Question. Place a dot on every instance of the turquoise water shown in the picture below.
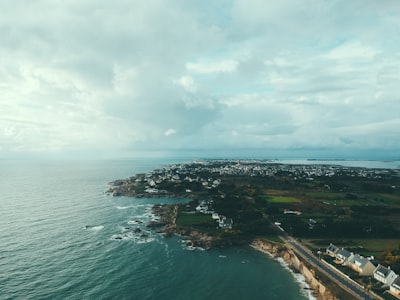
(61, 237)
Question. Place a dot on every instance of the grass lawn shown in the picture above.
(282, 199)
(194, 220)
(326, 195)
(378, 244)
(272, 238)
(391, 199)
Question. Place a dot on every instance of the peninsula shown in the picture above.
(234, 202)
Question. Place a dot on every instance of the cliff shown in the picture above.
(280, 251)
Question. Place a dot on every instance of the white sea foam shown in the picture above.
(123, 207)
(305, 288)
(97, 228)
(123, 236)
(124, 229)
(135, 222)
(145, 240)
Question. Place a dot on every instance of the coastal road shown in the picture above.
(336, 276)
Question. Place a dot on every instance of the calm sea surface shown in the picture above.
(61, 237)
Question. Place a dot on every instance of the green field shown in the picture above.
(194, 220)
(272, 238)
(282, 199)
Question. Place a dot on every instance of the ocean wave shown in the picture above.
(299, 278)
(130, 236)
(145, 240)
(97, 228)
(135, 222)
(124, 207)
(94, 228)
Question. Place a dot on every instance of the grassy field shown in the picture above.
(195, 220)
(378, 244)
(272, 238)
(281, 199)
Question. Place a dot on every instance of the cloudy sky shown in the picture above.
(112, 79)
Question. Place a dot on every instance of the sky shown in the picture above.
(255, 78)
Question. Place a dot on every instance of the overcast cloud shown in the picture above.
(120, 78)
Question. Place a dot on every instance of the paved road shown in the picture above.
(339, 278)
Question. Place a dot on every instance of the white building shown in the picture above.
(343, 256)
(395, 287)
(225, 223)
(361, 265)
(332, 250)
(384, 275)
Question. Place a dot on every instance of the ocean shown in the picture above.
(62, 237)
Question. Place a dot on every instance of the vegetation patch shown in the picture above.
(195, 220)
(282, 199)
(272, 238)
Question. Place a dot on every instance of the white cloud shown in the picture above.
(352, 50)
(187, 83)
(225, 66)
(170, 131)
(124, 80)
(223, 74)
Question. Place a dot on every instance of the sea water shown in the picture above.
(62, 237)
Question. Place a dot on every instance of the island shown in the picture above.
(282, 209)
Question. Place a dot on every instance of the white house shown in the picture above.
(384, 275)
(215, 216)
(395, 286)
(225, 223)
(331, 250)
(343, 256)
(361, 265)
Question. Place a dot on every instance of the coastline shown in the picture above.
(166, 224)
(315, 289)
(251, 194)
(312, 288)
(309, 285)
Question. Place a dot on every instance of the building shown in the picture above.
(384, 275)
(215, 216)
(395, 287)
(361, 265)
(332, 250)
(343, 257)
(225, 223)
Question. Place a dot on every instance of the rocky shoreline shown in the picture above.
(319, 291)
(166, 223)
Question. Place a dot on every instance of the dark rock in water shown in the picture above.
(153, 224)
(144, 235)
(118, 238)
(117, 182)
(137, 230)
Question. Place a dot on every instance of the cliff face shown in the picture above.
(280, 251)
